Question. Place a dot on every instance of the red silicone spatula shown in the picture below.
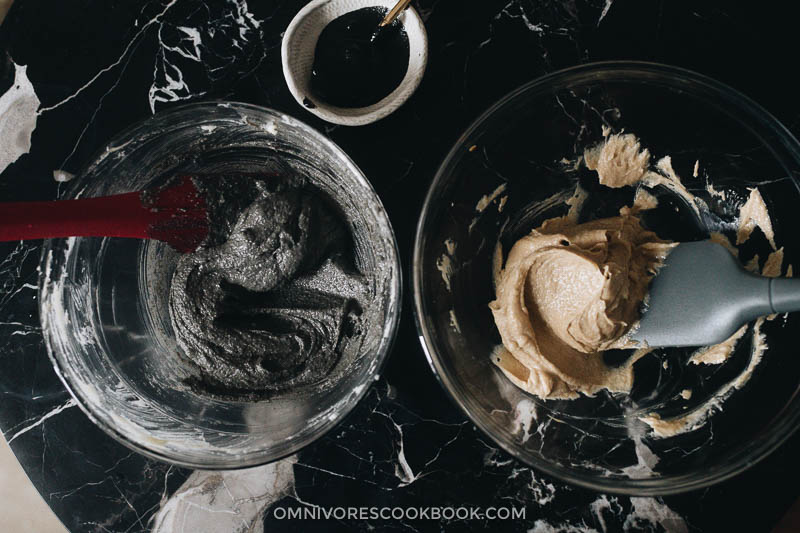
(175, 214)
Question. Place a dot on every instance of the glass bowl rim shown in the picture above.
(391, 322)
(751, 115)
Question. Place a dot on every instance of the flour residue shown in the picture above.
(19, 108)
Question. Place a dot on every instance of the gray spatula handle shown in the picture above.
(784, 295)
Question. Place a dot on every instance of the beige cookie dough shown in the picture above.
(566, 293)
(619, 161)
(718, 353)
(754, 214)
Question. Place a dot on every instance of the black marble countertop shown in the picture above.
(78, 72)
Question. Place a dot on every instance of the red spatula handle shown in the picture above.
(111, 216)
(174, 213)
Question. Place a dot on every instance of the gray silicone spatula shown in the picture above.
(702, 295)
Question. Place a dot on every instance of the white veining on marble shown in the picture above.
(646, 460)
(604, 504)
(236, 23)
(18, 112)
(537, 28)
(169, 83)
(230, 500)
(542, 492)
(605, 11)
(646, 514)
(118, 61)
(403, 470)
(194, 38)
(396, 470)
(11, 282)
(541, 526)
(653, 511)
(41, 419)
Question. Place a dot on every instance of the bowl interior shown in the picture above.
(105, 301)
(516, 168)
(299, 45)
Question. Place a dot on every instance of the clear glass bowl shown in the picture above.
(520, 142)
(104, 306)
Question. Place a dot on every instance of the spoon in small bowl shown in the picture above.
(395, 11)
(702, 295)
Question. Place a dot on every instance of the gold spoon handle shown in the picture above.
(396, 10)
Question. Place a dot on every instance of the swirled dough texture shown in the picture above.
(566, 293)
(266, 307)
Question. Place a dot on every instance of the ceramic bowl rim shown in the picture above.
(418, 40)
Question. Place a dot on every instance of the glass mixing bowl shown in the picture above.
(104, 301)
(514, 168)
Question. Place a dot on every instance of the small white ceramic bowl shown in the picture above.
(300, 41)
